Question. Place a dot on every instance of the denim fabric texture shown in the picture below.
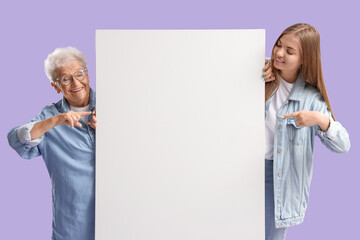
(69, 155)
(293, 152)
(271, 233)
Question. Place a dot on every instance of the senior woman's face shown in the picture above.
(77, 93)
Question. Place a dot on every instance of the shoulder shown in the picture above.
(51, 110)
(313, 98)
(312, 93)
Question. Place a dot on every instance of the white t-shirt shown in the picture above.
(276, 103)
(81, 109)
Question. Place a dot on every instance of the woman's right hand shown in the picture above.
(268, 73)
(71, 118)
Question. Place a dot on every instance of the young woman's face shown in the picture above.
(286, 54)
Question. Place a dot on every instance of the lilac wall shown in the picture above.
(32, 29)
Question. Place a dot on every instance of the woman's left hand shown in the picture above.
(93, 122)
(310, 118)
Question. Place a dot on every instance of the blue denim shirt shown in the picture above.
(293, 152)
(69, 155)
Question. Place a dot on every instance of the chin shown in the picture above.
(277, 66)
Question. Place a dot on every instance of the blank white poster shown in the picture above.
(180, 136)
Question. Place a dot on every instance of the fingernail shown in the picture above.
(274, 74)
(265, 79)
(264, 70)
(263, 75)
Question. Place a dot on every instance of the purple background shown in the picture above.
(32, 29)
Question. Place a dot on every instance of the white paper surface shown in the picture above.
(180, 137)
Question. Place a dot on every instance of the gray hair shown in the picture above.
(61, 57)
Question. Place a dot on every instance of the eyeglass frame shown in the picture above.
(60, 79)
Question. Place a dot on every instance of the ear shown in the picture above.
(58, 90)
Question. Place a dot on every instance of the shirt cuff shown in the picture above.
(23, 134)
(332, 130)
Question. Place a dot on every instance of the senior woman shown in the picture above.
(64, 134)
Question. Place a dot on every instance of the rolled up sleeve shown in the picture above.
(24, 136)
(20, 140)
(336, 138)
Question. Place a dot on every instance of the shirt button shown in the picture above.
(279, 224)
(280, 126)
(279, 201)
(279, 174)
(279, 150)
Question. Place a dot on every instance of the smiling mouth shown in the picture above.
(279, 60)
(77, 89)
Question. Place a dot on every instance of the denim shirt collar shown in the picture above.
(298, 89)
(65, 105)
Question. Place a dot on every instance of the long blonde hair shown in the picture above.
(309, 41)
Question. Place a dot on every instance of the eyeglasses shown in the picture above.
(68, 79)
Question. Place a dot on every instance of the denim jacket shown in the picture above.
(293, 152)
(69, 155)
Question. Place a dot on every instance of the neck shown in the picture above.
(80, 104)
(289, 77)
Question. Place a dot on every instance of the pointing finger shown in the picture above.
(290, 115)
(84, 113)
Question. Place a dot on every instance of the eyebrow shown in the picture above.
(78, 70)
(288, 46)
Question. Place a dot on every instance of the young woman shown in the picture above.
(297, 109)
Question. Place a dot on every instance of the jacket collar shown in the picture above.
(65, 105)
(298, 89)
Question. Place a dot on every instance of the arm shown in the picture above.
(20, 140)
(331, 133)
(69, 118)
(25, 139)
(335, 137)
(40, 128)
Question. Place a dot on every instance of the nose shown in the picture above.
(280, 52)
(74, 81)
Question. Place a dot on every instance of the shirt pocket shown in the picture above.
(294, 132)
